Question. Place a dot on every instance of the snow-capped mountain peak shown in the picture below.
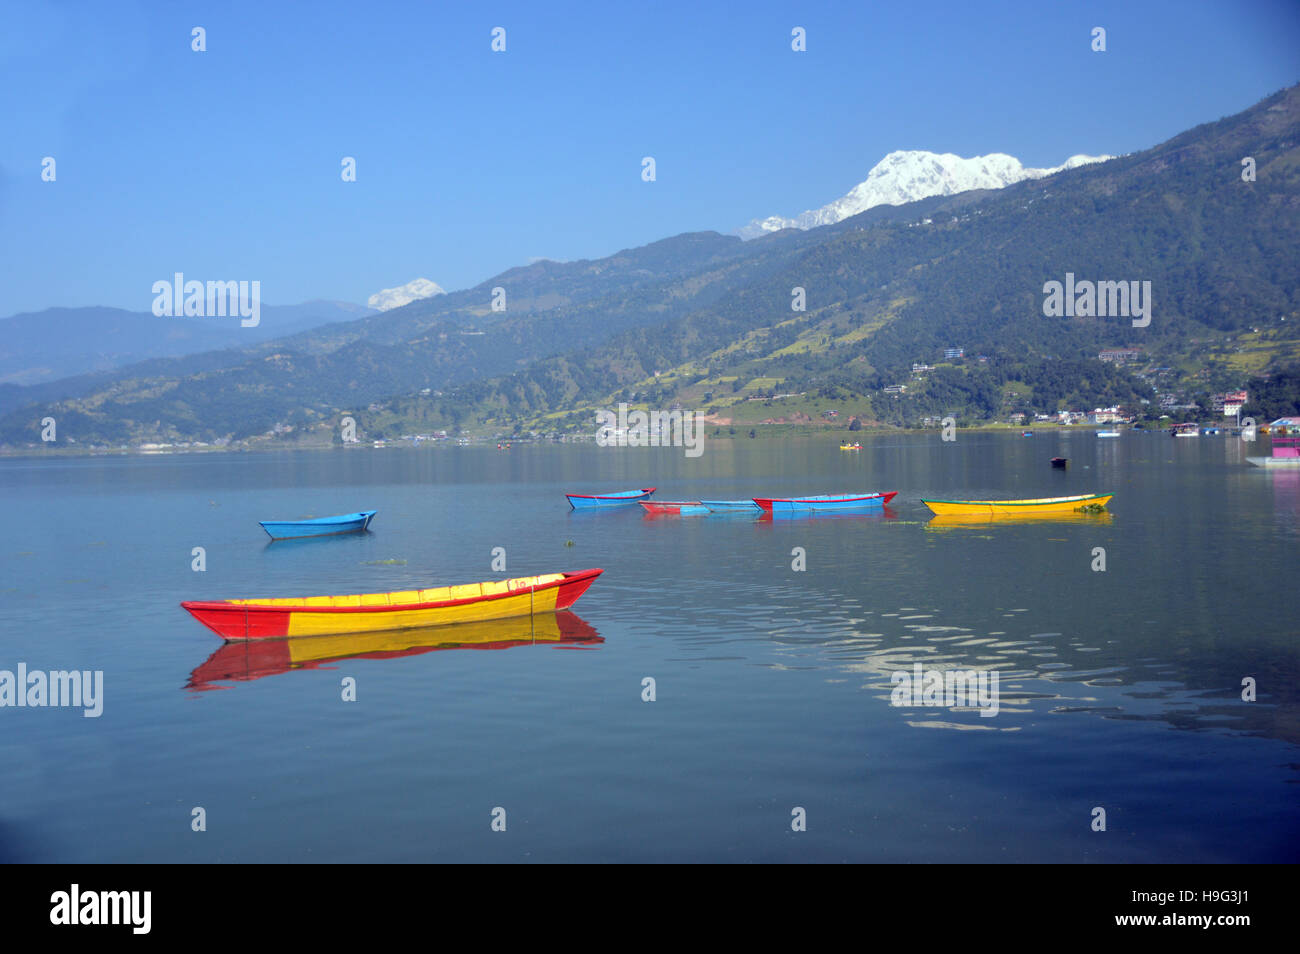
(405, 294)
(907, 175)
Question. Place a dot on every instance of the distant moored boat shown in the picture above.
(680, 507)
(825, 503)
(1286, 453)
(318, 526)
(1017, 507)
(620, 498)
(730, 506)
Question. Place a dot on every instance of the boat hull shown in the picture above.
(671, 506)
(674, 508)
(624, 498)
(1274, 461)
(830, 503)
(730, 506)
(1015, 507)
(380, 612)
(318, 527)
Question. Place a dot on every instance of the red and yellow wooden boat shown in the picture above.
(379, 612)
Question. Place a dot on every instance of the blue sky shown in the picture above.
(225, 164)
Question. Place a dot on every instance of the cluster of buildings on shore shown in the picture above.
(1226, 404)
(180, 445)
(1098, 415)
(406, 438)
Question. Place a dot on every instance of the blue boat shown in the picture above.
(730, 506)
(825, 503)
(621, 498)
(319, 526)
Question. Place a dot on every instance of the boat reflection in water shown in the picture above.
(820, 516)
(246, 660)
(957, 520)
(1286, 497)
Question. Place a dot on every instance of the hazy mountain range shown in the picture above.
(712, 322)
(56, 343)
(42, 346)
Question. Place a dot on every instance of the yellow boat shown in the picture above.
(1009, 508)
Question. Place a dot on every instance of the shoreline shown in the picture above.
(838, 435)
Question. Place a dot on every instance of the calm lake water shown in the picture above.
(1118, 689)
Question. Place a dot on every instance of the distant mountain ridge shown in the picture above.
(44, 346)
(907, 176)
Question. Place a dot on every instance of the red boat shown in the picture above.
(380, 612)
(828, 503)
